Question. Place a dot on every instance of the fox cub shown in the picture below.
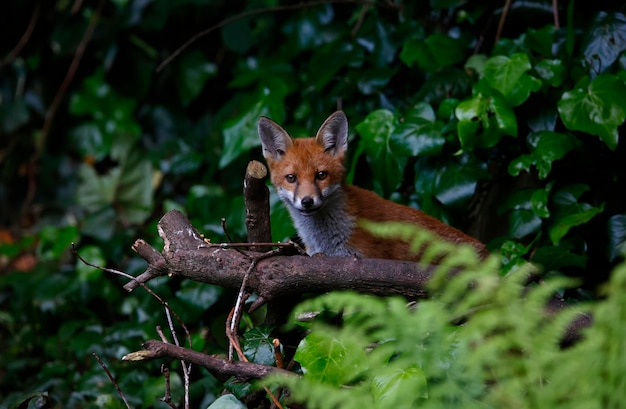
(308, 174)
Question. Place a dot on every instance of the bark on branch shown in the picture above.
(221, 368)
(186, 254)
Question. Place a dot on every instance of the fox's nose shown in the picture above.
(307, 202)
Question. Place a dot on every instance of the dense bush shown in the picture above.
(503, 121)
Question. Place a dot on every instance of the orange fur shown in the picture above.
(309, 176)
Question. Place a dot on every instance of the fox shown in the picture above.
(309, 177)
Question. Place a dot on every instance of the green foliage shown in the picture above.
(96, 144)
(506, 353)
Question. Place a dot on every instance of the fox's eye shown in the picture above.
(290, 178)
(321, 175)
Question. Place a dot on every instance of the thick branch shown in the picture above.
(221, 368)
(256, 197)
(187, 255)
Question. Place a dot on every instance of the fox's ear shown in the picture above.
(333, 134)
(274, 139)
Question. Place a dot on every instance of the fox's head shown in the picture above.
(307, 172)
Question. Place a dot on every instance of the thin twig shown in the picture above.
(113, 381)
(168, 311)
(248, 13)
(12, 55)
(167, 399)
(143, 285)
(505, 12)
(234, 343)
(360, 20)
(555, 13)
(58, 97)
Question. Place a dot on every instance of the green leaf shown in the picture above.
(399, 388)
(541, 40)
(564, 224)
(193, 71)
(548, 147)
(521, 206)
(240, 134)
(509, 77)
(386, 151)
(329, 359)
(94, 255)
(55, 241)
(551, 72)
(455, 184)
(617, 236)
(258, 347)
(598, 110)
(199, 296)
(523, 222)
(419, 132)
(227, 402)
(237, 35)
(127, 187)
(437, 51)
(569, 211)
(483, 120)
(605, 41)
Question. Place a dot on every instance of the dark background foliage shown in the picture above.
(506, 126)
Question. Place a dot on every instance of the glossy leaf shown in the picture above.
(385, 152)
(509, 77)
(617, 236)
(565, 223)
(227, 402)
(551, 72)
(547, 148)
(605, 41)
(420, 132)
(483, 120)
(328, 359)
(599, 109)
(193, 71)
(570, 212)
(258, 345)
(240, 134)
(434, 53)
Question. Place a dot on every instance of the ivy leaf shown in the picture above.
(329, 359)
(605, 41)
(522, 217)
(193, 70)
(227, 402)
(508, 76)
(483, 120)
(420, 132)
(569, 211)
(240, 134)
(564, 224)
(127, 187)
(258, 345)
(437, 51)
(548, 147)
(385, 151)
(455, 184)
(198, 297)
(551, 72)
(617, 236)
(597, 110)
